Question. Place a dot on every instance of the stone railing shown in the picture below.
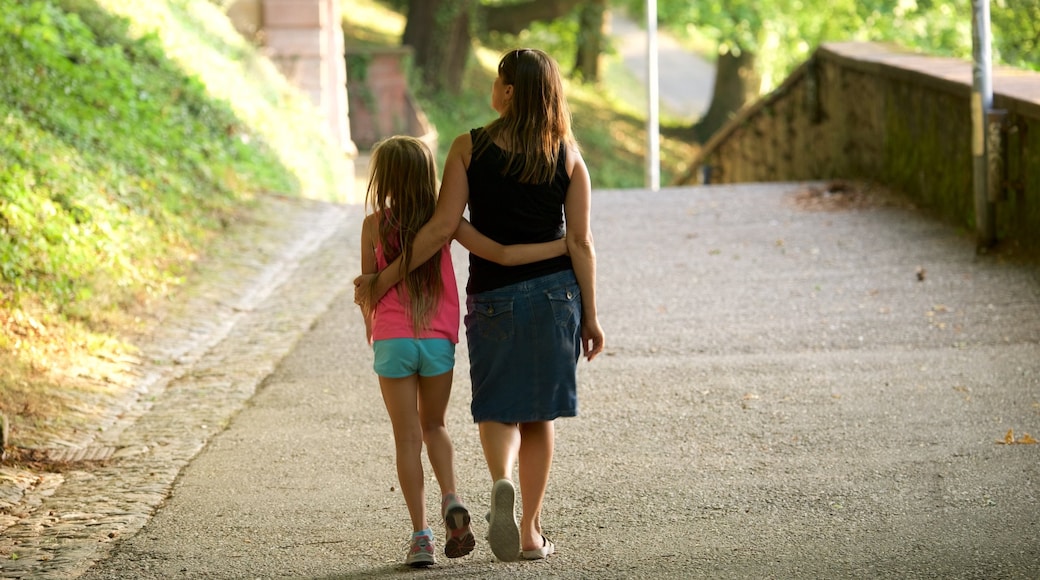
(872, 112)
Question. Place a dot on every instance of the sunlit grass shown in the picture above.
(233, 72)
(368, 23)
(133, 134)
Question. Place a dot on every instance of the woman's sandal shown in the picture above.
(548, 547)
(503, 533)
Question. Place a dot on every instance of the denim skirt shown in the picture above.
(524, 342)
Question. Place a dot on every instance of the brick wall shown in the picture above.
(381, 104)
(873, 112)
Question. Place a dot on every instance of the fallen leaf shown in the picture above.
(1009, 439)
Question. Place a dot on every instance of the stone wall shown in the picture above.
(381, 103)
(874, 112)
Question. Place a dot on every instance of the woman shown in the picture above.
(526, 326)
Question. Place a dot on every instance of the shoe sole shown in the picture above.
(503, 533)
(460, 538)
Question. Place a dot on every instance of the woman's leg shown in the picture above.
(501, 443)
(434, 393)
(537, 443)
(400, 396)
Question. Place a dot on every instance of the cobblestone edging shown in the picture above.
(210, 356)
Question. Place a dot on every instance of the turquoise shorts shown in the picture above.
(397, 358)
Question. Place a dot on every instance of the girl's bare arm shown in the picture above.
(368, 266)
(507, 255)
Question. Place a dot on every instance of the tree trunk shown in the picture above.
(439, 33)
(592, 37)
(514, 18)
(737, 82)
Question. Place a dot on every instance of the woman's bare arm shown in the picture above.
(451, 202)
(577, 209)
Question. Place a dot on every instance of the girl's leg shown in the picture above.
(434, 393)
(537, 442)
(400, 398)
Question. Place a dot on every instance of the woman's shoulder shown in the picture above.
(572, 157)
(463, 143)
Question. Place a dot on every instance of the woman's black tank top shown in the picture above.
(510, 212)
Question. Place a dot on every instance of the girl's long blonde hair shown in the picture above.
(537, 120)
(402, 192)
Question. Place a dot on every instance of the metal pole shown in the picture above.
(981, 106)
(653, 128)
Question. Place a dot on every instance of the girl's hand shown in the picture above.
(363, 292)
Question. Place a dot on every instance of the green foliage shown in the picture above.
(784, 32)
(558, 37)
(1016, 37)
(117, 161)
(612, 139)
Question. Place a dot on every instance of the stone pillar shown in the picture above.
(305, 39)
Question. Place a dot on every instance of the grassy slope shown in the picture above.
(132, 133)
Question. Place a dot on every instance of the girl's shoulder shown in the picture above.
(373, 218)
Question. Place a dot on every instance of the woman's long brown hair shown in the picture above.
(537, 120)
(402, 192)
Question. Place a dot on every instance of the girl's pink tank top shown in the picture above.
(392, 319)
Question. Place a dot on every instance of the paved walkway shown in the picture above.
(795, 387)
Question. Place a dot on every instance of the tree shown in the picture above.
(1017, 32)
(441, 32)
(760, 42)
(739, 28)
(514, 17)
(737, 83)
(592, 38)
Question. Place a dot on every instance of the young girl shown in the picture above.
(414, 328)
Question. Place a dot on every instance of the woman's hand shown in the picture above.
(592, 338)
